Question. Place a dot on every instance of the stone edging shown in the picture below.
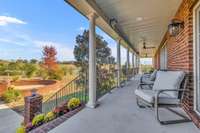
(54, 123)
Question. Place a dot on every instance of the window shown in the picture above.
(163, 58)
(196, 48)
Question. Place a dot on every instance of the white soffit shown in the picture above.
(141, 19)
(138, 19)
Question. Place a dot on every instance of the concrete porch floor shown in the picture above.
(118, 113)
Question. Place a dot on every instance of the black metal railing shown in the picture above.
(127, 75)
(130, 73)
(106, 80)
(78, 87)
(75, 88)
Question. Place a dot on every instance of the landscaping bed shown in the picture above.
(42, 123)
(54, 123)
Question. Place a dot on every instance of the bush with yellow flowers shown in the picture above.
(73, 103)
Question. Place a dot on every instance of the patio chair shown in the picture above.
(147, 79)
(167, 92)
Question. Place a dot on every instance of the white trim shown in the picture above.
(163, 56)
(196, 52)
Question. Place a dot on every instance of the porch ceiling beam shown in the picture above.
(98, 10)
(91, 6)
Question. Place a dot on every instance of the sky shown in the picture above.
(27, 25)
(146, 61)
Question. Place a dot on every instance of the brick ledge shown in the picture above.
(54, 123)
(194, 116)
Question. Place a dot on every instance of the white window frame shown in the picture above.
(196, 53)
(163, 57)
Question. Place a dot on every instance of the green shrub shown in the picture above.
(56, 74)
(21, 129)
(15, 78)
(30, 69)
(49, 116)
(11, 95)
(73, 103)
(38, 119)
(42, 73)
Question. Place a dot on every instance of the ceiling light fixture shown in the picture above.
(175, 27)
(113, 22)
(139, 18)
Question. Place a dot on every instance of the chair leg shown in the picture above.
(157, 111)
(185, 118)
(138, 103)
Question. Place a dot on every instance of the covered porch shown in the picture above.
(161, 30)
(139, 30)
(119, 113)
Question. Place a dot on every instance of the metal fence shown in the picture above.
(75, 88)
(78, 87)
(106, 81)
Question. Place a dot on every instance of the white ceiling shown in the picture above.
(138, 20)
(141, 19)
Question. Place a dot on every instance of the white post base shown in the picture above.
(92, 105)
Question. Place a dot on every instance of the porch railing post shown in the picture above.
(92, 62)
(118, 63)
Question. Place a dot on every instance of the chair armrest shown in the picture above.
(143, 84)
(146, 75)
(166, 90)
(160, 91)
(141, 78)
(146, 83)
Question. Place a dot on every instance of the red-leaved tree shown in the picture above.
(49, 58)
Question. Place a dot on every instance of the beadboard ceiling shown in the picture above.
(138, 20)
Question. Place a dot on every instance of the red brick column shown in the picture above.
(33, 106)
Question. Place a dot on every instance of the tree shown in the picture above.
(33, 61)
(21, 61)
(103, 56)
(30, 69)
(49, 58)
(51, 69)
(81, 50)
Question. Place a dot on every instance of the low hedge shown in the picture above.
(11, 95)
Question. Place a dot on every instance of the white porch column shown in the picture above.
(118, 63)
(138, 64)
(92, 63)
(133, 63)
(128, 62)
(136, 61)
(133, 60)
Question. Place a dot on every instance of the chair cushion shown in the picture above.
(169, 80)
(153, 75)
(149, 96)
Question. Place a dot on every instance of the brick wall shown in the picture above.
(180, 53)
